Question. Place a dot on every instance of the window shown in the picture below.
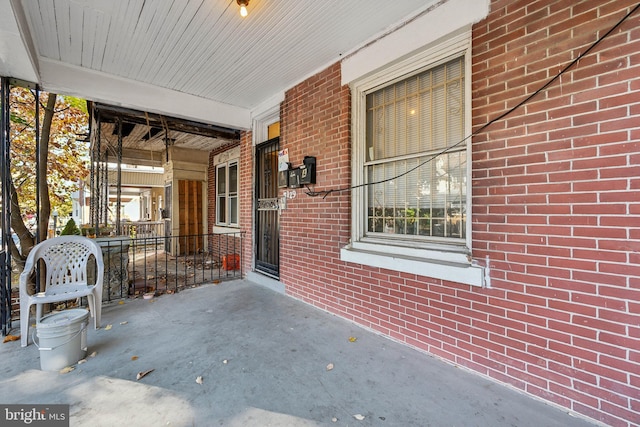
(413, 190)
(227, 193)
(411, 165)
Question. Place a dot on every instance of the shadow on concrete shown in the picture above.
(263, 360)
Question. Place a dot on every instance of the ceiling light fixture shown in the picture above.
(243, 7)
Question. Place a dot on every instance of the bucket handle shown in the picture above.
(33, 338)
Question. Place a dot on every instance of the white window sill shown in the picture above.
(450, 266)
(221, 229)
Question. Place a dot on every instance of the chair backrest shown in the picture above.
(66, 259)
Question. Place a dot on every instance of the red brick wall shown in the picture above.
(245, 198)
(556, 208)
(315, 121)
(556, 204)
(211, 185)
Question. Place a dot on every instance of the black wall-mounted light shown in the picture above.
(243, 7)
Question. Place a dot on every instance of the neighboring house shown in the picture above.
(80, 204)
(513, 252)
(163, 169)
(142, 192)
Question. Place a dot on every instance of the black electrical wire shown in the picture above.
(325, 193)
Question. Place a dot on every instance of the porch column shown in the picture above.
(5, 182)
(118, 228)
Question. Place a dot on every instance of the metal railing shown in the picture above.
(135, 267)
(166, 264)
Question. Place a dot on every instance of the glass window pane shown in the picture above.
(221, 210)
(221, 180)
(407, 124)
(233, 179)
(388, 140)
(233, 210)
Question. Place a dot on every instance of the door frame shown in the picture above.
(263, 116)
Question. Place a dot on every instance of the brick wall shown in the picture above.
(245, 198)
(211, 185)
(556, 208)
(315, 121)
(556, 201)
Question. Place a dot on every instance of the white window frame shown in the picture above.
(444, 261)
(265, 115)
(226, 160)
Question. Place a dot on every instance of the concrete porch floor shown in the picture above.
(263, 359)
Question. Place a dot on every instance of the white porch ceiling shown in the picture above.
(195, 59)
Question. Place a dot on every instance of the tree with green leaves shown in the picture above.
(63, 159)
(71, 229)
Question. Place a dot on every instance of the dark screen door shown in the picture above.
(267, 216)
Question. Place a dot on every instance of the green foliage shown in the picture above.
(70, 229)
(17, 120)
(77, 103)
(68, 159)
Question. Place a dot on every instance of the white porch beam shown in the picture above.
(439, 21)
(93, 85)
(17, 53)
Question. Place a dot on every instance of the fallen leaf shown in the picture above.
(94, 354)
(199, 379)
(334, 420)
(329, 366)
(108, 327)
(134, 357)
(359, 417)
(124, 323)
(81, 361)
(121, 302)
(67, 370)
(9, 338)
(352, 339)
(144, 373)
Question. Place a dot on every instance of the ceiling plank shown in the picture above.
(74, 53)
(186, 50)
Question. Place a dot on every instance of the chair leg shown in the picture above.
(96, 309)
(38, 312)
(92, 308)
(96, 318)
(24, 323)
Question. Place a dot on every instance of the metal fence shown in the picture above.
(140, 266)
(156, 265)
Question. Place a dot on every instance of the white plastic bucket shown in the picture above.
(62, 338)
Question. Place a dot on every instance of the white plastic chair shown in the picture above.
(65, 259)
